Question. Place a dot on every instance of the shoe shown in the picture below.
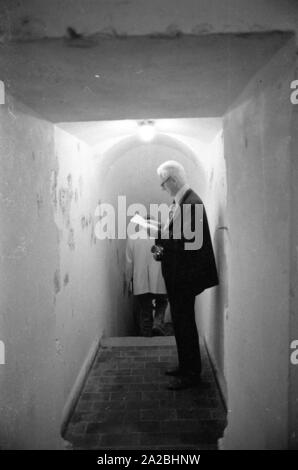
(174, 372)
(158, 331)
(184, 383)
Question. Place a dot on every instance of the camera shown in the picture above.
(157, 251)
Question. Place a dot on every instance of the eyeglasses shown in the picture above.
(164, 182)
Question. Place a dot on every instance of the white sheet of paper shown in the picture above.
(139, 220)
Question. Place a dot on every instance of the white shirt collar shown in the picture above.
(179, 195)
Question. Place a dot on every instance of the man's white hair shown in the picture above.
(172, 168)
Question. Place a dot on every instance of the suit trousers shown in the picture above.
(182, 304)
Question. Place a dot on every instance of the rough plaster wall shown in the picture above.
(53, 295)
(213, 303)
(256, 133)
(30, 391)
(80, 303)
(39, 18)
(293, 391)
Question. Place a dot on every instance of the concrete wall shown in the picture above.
(54, 295)
(38, 18)
(293, 389)
(31, 395)
(257, 151)
(81, 296)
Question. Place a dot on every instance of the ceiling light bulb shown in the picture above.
(146, 131)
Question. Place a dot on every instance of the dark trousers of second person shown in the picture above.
(145, 320)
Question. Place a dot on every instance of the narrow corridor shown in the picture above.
(125, 403)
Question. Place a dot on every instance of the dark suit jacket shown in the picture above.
(193, 270)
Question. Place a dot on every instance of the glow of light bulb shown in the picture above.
(146, 131)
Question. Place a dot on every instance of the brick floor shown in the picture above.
(125, 403)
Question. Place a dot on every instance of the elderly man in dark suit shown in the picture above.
(188, 266)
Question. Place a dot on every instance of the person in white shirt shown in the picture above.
(148, 286)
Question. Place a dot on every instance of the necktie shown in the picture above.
(172, 210)
(171, 213)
